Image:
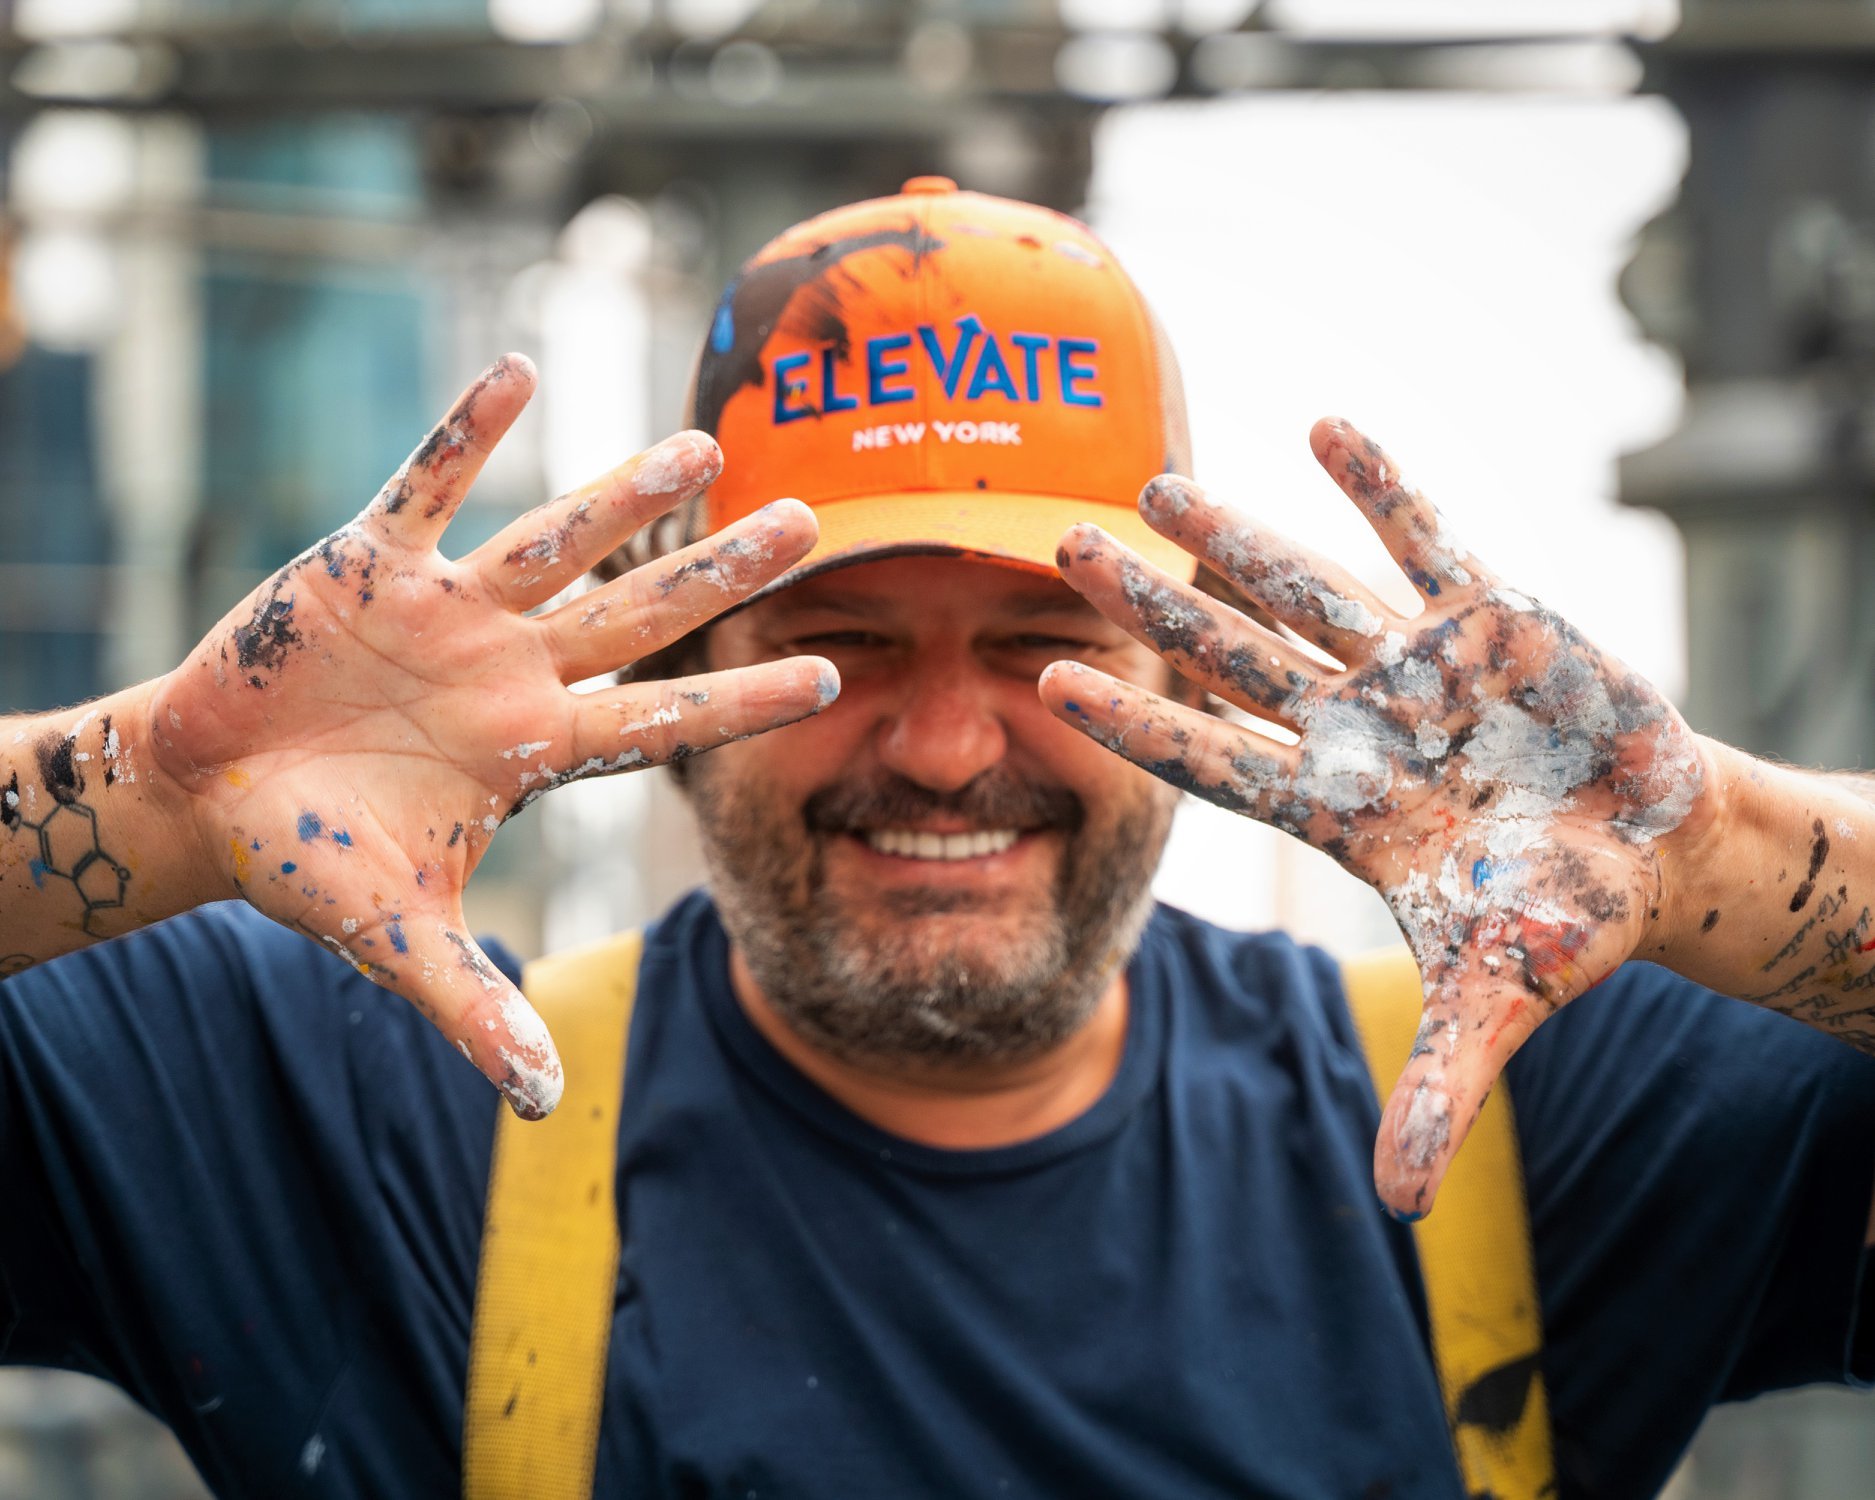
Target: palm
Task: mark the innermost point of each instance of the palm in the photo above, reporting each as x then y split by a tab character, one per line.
1498	779
352	734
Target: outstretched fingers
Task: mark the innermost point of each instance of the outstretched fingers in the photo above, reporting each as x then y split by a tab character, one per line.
1319	600
662	601
1404	519
1203	639
429	958
538	554
417	502
1193	751
652	723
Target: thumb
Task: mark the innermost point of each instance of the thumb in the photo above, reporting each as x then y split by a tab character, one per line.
1458	1055
431	961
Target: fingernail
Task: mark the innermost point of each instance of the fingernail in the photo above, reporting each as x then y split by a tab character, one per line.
773	510
827	685
1167	495
1404	1215
683	460
512	364
525	1103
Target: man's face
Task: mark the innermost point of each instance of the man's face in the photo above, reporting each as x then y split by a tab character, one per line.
935	868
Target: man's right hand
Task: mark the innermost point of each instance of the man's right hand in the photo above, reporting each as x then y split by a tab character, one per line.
341	747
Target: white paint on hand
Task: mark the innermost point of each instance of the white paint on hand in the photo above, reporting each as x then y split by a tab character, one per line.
1426	1128
1348	756
667	715
671	463
1347	614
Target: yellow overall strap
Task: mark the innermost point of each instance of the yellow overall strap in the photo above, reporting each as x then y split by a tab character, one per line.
550	1247
1475	1260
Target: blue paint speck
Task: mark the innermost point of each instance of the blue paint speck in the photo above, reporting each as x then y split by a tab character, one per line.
396	935
342	838
309	827
255	846
1405	1216
1480	872
288	867
40	869
1071	706
723	326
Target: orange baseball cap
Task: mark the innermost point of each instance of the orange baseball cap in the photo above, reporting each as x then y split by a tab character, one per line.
940	372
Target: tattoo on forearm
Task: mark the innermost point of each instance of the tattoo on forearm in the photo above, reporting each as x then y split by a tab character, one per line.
51	824
1832	903
1835	989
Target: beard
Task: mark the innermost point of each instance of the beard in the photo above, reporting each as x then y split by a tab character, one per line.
937	974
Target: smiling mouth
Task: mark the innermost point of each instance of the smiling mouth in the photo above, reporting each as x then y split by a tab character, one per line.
913	843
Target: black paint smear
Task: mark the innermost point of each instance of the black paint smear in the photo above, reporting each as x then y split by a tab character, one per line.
266	638
757	300
1712	920
695	568
1242	667
456	429
548	546
10	803
58	770
1495	1401
110	771
1819	851
1604	905
455	836
440	437
400	497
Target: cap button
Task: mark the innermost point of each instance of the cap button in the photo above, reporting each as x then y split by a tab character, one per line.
929	185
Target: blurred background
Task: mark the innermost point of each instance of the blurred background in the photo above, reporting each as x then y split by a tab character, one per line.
1600	272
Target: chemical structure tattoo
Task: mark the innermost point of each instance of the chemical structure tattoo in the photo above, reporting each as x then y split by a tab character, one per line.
69	850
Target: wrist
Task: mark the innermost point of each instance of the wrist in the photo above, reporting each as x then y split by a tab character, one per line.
1698	857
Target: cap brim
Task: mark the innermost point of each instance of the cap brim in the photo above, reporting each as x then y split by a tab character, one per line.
1020	530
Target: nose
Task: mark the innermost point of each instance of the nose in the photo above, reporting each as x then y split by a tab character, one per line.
945	729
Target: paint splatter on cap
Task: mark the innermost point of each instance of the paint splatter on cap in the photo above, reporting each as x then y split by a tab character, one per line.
940	372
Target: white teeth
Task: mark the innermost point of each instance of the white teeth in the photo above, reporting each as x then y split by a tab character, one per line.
909	843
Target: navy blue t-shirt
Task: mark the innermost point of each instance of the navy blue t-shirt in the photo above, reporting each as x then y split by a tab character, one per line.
247	1186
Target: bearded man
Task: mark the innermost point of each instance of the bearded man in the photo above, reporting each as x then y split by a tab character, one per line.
947	1164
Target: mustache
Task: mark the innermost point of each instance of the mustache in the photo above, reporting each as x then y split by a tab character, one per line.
996	799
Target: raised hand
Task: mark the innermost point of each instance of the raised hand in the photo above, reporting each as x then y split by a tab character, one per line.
351	735
1499	780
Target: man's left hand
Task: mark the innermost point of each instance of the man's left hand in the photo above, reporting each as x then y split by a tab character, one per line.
1504	784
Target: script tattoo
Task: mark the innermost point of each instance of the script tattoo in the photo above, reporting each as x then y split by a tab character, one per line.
1835	989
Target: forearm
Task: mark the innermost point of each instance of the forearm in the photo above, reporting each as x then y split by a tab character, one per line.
94	838
1774	902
